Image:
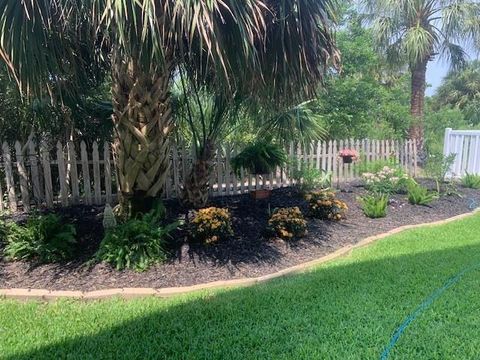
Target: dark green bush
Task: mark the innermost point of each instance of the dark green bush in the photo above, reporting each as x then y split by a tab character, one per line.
44	238
136	244
374	206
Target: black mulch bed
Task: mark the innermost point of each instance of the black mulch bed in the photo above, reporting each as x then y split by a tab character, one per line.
248	254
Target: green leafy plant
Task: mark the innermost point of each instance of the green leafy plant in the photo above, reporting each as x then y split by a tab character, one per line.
211	225
437	167
308	178
287	223
44	238
364	166
471	181
419	195
137	243
260	158
324	205
374	206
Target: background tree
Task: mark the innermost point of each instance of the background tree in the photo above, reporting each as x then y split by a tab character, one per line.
461	90
268	48
417	31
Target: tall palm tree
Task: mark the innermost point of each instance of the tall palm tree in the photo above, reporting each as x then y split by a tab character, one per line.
271	49
417	31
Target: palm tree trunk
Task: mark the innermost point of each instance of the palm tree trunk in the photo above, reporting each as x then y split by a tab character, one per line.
143	122
419	72
195	187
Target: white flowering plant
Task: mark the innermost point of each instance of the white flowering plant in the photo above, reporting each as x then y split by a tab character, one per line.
388	180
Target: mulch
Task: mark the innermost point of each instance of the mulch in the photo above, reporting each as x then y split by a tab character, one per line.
247	254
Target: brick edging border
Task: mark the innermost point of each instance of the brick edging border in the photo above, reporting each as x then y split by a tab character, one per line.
129	293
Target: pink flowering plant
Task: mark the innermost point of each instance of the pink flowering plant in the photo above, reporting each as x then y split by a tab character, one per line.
388	180
349	153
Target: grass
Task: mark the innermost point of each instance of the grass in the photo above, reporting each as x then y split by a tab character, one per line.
346	309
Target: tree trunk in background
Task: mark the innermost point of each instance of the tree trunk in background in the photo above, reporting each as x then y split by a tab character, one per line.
419	72
143	122
195	187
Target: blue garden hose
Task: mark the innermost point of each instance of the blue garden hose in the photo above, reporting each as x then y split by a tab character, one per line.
425	304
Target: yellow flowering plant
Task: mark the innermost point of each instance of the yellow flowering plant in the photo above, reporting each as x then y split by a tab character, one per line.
287	223
324	205
211	225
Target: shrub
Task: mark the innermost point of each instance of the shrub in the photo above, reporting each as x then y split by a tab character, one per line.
419	195
471	181
324	205
137	243
3	232
44	238
374	206
211	225
287	223
308	178
388	180
374	166
437	167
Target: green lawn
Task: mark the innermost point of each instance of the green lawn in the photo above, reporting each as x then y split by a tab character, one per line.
346	309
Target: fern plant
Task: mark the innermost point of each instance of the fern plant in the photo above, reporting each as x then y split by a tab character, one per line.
471	181
419	195
138	243
374	206
260	158
44	238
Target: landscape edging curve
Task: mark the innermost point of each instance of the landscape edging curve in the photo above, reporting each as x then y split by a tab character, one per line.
129	293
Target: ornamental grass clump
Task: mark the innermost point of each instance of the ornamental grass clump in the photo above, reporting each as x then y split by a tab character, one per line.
471	181
388	180
287	223
374	206
211	225
324	205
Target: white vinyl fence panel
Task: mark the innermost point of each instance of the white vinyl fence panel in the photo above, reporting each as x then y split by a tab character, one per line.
35	175
465	144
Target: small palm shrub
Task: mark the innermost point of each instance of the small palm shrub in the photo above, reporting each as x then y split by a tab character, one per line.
137	243
471	181
374	206
308	178
388	180
324	205
419	195
211	225
44	238
260	158
287	223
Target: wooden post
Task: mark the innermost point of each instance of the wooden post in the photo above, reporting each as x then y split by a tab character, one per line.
22	173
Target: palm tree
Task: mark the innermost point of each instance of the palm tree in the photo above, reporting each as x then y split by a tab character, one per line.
416	31
271	49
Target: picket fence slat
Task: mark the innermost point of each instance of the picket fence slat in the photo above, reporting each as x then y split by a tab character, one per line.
108	173
9	179
465	145
23	176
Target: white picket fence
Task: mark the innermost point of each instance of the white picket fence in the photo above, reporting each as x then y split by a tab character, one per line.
34	176
465	144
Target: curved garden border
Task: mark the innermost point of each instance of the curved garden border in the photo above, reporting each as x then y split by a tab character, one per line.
129	293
